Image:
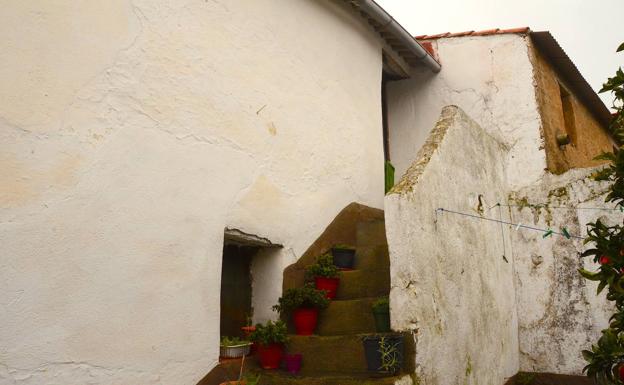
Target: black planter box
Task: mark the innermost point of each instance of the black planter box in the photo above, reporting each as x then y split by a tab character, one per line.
384	353
343	258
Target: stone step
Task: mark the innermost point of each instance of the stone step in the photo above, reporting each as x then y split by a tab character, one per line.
371	233
357	284
284	378
372	258
338	354
347	317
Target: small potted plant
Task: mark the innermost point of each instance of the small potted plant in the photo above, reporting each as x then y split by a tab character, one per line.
293	362
384	353
270	339
344	256
381	313
304	303
234	347
325	275
247	330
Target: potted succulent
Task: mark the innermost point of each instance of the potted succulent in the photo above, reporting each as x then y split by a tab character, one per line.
381	313
270	339
304	303
325	275
344	256
234	347
384	353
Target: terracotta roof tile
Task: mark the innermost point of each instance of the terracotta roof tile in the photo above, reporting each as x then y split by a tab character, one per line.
487	32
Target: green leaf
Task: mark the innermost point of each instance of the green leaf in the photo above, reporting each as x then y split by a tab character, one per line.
589	275
601	287
620	48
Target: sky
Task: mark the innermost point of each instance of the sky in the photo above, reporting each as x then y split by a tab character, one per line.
588	30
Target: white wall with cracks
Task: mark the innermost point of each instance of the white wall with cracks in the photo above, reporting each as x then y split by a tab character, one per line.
489	77
132	133
558	314
450	285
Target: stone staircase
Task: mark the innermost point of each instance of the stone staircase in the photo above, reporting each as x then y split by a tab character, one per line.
335	354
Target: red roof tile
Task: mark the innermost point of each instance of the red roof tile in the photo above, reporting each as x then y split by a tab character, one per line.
495	31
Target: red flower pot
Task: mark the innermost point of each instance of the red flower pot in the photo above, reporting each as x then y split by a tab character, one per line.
270	355
247	330
305	321
329	285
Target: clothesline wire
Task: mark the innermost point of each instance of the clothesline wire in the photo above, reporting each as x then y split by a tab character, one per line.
517	225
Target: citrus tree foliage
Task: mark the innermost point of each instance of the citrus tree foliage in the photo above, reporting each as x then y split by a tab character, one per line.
605	360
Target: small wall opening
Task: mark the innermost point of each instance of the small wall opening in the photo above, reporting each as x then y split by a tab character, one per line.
239	250
236	288
568	114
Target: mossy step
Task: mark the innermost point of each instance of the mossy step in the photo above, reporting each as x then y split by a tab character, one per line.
371	258
347	317
371	233
339	354
284	378
357	284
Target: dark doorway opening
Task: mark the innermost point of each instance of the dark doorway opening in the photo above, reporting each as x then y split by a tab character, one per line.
236	288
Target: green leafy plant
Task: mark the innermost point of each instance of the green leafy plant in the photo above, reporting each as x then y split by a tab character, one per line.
251	380
343	246
232	341
302	297
381	305
605	359
270	333
323	267
390	356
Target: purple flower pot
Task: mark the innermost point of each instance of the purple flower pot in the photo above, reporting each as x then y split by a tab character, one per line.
293	362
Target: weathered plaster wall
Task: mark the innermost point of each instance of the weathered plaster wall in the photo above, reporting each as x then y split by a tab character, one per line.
589	139
132	133
489	77
559	312
450	283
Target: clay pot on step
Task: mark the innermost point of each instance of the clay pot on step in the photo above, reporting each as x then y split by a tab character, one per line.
305	320
270	356
329	285
247	330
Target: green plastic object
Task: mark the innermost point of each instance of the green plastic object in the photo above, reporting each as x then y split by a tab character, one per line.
389	175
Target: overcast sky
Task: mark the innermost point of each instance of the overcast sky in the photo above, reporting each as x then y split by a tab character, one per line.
588	30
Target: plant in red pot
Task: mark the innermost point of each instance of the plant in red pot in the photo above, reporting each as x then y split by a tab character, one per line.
304	303
325	275
270	339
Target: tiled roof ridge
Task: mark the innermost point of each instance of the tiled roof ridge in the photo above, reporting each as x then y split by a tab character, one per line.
486	32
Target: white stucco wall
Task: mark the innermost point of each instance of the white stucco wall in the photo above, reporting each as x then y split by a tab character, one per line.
450	283
489	77
560	313
132	133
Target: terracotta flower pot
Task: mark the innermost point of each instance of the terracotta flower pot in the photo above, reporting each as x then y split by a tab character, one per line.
247	330
305	321
270	356
329	285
